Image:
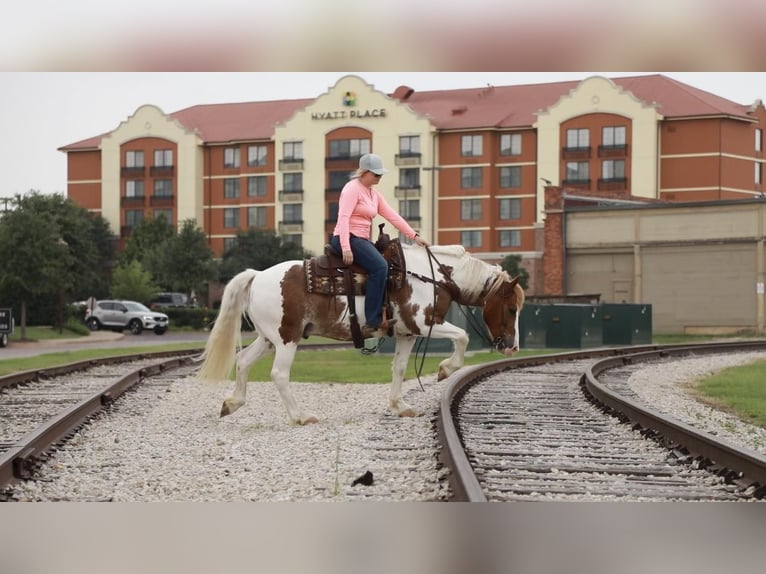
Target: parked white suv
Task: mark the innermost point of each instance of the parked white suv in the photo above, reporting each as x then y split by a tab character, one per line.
120	315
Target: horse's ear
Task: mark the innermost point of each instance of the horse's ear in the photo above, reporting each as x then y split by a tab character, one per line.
515	281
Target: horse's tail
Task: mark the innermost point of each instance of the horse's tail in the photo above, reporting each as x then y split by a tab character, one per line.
226	336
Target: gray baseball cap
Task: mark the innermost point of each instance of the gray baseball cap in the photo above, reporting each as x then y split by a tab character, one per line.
373	163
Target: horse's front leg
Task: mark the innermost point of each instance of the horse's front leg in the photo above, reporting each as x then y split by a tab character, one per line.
245	359
460	343
402	354
280	374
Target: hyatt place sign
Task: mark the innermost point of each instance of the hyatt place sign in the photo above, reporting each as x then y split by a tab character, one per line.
349	114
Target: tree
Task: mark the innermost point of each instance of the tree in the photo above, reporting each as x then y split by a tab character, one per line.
131	281
51	249
34	257
258	249
147	243
186	260
511	265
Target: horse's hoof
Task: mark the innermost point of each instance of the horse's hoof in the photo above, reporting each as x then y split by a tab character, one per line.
308	420
225	410
409	412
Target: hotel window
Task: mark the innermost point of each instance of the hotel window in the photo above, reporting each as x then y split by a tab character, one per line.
231	157
256	217
509	208
758	139
292	182
470	238
231	217
613	169
293	213
229	243
163	158
133	217
340	149
577	171
337	179
578	138
758	171
510	144
470	209
409	178
509	238
409	208
292	151
167	214
231	187
409	145
613	136
134	188
256	186
470	177
332	211
163	188
134	159
257	155
510	176
293	238
470	146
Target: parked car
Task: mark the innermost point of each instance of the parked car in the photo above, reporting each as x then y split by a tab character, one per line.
120	315
162	300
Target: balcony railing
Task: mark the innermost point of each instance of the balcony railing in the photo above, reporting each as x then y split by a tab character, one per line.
613	183
135	200
613	150
575	153
291	226
336	159
133	172
407	159
162	171
576	182
291	164
290	195
160	200
407	192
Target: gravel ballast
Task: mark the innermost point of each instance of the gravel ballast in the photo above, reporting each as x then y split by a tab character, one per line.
168	443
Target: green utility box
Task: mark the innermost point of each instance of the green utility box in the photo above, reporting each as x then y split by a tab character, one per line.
472	324
573	326
627	324
532	326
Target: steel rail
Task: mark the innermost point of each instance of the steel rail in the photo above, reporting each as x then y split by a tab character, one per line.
463	482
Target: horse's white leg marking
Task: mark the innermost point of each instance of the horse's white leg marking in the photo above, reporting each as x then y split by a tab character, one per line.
402	354
245	359
280	374
457	358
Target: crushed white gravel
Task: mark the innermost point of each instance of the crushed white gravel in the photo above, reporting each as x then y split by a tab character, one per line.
167	443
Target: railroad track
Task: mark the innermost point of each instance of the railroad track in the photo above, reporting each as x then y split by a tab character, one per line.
567	427
41	408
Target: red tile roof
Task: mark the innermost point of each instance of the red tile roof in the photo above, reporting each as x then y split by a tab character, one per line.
486	107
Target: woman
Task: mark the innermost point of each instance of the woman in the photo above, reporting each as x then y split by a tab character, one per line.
358	205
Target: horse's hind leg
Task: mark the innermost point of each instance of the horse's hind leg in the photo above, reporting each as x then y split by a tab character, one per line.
245	359
402	354
280	374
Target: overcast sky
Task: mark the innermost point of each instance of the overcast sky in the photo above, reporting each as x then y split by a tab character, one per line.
40	112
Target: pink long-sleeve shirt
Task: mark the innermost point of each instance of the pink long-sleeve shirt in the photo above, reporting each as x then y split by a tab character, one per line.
357	207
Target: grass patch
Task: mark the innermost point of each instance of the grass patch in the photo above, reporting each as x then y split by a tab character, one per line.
740	390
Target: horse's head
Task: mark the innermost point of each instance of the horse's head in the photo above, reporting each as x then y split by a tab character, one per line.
501	314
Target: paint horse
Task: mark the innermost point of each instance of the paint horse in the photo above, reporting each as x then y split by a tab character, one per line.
283	311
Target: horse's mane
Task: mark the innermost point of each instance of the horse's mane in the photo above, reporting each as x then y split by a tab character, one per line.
469	272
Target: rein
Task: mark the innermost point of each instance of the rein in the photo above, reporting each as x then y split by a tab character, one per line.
454	290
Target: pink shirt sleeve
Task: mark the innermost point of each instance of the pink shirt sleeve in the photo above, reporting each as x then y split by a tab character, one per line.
357	207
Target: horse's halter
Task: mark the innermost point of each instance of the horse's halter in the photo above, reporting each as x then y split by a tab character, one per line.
453	289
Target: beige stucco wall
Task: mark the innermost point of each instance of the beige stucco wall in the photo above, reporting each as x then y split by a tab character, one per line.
701	267
307	127
150	121
598	94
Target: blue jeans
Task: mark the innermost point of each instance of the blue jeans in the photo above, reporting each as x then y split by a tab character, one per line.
367	255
